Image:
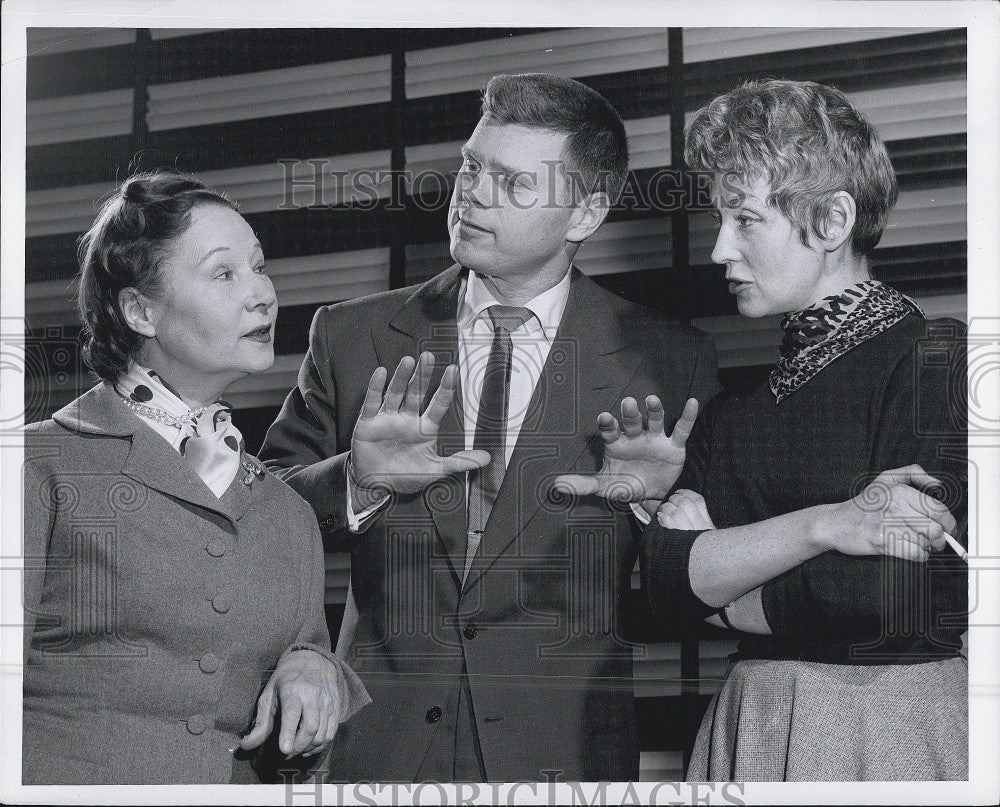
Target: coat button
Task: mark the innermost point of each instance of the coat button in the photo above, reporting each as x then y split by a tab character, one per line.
470	631
433	714
209	663
221	603
216	549
196	724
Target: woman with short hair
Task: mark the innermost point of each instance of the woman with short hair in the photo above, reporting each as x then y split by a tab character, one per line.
803	516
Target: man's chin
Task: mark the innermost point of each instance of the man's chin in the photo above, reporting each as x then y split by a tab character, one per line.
470	258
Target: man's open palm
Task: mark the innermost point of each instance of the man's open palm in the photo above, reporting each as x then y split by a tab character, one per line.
394	446
639	463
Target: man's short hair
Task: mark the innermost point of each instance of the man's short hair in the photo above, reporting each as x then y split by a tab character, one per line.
596	145
809	142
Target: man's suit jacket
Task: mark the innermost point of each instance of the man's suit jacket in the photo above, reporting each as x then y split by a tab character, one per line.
537	625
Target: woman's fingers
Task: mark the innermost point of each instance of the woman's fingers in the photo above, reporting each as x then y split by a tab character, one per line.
318	739
923	512
672	515
899	546
291	712
310	722
913	475
694	505
266	706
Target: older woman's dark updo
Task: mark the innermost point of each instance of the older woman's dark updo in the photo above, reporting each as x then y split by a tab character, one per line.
123	249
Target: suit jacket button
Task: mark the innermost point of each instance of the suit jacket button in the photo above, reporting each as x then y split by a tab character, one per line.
197	724
470	631
216	549
433	714
221	603
209	663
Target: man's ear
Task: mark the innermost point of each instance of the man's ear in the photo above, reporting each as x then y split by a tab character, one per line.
839	224
137	311
588	215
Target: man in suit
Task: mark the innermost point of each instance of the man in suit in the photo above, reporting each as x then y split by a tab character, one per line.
485	609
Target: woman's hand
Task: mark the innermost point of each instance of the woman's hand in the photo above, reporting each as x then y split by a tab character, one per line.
891	516
639	463
305	684
684	510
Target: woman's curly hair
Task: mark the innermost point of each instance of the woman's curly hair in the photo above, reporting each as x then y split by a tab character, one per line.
808	142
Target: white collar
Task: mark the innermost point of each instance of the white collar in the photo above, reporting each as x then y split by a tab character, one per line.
548	307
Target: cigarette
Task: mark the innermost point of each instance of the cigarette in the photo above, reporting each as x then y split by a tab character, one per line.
957	547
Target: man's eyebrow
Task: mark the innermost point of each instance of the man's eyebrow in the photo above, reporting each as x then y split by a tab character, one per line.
492	165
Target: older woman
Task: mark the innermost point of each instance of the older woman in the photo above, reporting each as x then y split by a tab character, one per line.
173	587
802	517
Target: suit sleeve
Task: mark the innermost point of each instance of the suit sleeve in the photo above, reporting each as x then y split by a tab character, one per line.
301	446
919	419
705	378
314	634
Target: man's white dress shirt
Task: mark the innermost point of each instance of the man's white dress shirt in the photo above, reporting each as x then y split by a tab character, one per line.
530	344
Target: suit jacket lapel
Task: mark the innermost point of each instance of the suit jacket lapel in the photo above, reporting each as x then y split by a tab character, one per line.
427	322
588	370
151	461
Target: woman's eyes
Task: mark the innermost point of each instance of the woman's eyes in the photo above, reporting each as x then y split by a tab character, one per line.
227	273
743	221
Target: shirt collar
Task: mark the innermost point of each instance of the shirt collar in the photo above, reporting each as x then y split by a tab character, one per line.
548	307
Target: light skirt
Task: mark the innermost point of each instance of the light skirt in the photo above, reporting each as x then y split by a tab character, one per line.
800	721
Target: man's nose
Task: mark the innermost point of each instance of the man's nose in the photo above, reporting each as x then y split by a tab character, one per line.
473	188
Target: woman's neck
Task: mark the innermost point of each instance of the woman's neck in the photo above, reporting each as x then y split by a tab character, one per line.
848	271
195	393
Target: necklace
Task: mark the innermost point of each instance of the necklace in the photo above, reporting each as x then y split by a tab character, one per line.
160	416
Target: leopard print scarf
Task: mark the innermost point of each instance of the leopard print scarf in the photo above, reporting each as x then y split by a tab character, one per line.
817	335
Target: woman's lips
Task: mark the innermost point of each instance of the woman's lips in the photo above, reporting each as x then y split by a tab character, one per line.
261	334
736	286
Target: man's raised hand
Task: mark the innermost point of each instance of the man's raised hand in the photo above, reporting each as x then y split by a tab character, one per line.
394	446
639	463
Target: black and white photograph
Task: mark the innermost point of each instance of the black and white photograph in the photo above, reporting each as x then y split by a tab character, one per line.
559	403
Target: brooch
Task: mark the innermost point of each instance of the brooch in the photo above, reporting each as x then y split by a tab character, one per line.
253	469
